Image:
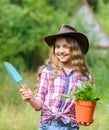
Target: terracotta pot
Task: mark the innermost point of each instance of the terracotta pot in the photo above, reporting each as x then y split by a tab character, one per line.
84	110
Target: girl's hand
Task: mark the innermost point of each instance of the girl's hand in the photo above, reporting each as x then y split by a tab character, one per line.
85	124
26	93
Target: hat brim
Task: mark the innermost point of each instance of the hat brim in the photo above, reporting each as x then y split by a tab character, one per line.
81	38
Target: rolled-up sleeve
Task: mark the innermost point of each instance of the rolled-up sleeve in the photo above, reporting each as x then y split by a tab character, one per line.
43	85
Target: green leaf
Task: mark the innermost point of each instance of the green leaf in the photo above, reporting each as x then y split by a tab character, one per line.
84	92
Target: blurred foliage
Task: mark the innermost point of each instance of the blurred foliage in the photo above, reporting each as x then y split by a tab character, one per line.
24	23
21	31
102	15
99	64
94	4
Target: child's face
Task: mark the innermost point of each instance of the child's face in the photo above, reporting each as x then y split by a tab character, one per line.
63	50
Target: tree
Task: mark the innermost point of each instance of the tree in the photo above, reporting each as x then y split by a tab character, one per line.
23	27
22	30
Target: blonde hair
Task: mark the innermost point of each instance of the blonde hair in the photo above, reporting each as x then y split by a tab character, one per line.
78	60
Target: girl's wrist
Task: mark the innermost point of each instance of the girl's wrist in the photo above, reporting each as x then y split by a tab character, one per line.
32	99
35	103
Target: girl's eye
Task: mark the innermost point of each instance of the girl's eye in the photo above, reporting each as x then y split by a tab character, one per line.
66	46
56	46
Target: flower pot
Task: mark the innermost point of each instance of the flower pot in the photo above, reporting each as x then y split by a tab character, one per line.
84	110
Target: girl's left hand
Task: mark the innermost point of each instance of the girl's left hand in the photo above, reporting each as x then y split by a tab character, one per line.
85	124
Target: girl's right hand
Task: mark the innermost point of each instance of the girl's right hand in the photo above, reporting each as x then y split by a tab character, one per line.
26	93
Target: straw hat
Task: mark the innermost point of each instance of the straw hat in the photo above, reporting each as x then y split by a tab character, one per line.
69	31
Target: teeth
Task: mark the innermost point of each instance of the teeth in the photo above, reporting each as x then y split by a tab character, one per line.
62	55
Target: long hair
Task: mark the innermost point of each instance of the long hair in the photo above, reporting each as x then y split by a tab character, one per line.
78	60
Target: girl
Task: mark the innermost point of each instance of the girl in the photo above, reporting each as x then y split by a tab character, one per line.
63	70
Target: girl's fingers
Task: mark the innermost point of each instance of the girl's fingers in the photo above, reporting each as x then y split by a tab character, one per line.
24	88
26	93
84	123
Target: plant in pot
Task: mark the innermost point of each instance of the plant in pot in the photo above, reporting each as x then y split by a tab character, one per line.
85	99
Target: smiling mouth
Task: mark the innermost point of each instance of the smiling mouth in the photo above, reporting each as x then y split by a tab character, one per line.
62	56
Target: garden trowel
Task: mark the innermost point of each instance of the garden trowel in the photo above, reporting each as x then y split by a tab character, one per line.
14	74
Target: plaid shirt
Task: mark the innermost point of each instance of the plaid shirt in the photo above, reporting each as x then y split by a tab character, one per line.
53	105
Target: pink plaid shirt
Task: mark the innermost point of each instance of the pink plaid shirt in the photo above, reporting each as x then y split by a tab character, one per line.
53	105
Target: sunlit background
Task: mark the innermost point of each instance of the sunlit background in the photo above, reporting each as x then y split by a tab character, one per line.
23	24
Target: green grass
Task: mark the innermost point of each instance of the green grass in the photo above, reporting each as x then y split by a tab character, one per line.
16	114
23	117
18	118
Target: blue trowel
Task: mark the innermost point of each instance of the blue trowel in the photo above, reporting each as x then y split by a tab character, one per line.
14	74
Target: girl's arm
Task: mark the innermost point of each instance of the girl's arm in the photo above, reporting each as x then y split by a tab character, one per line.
37	100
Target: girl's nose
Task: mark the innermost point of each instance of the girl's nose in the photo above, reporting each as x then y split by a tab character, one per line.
61	50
